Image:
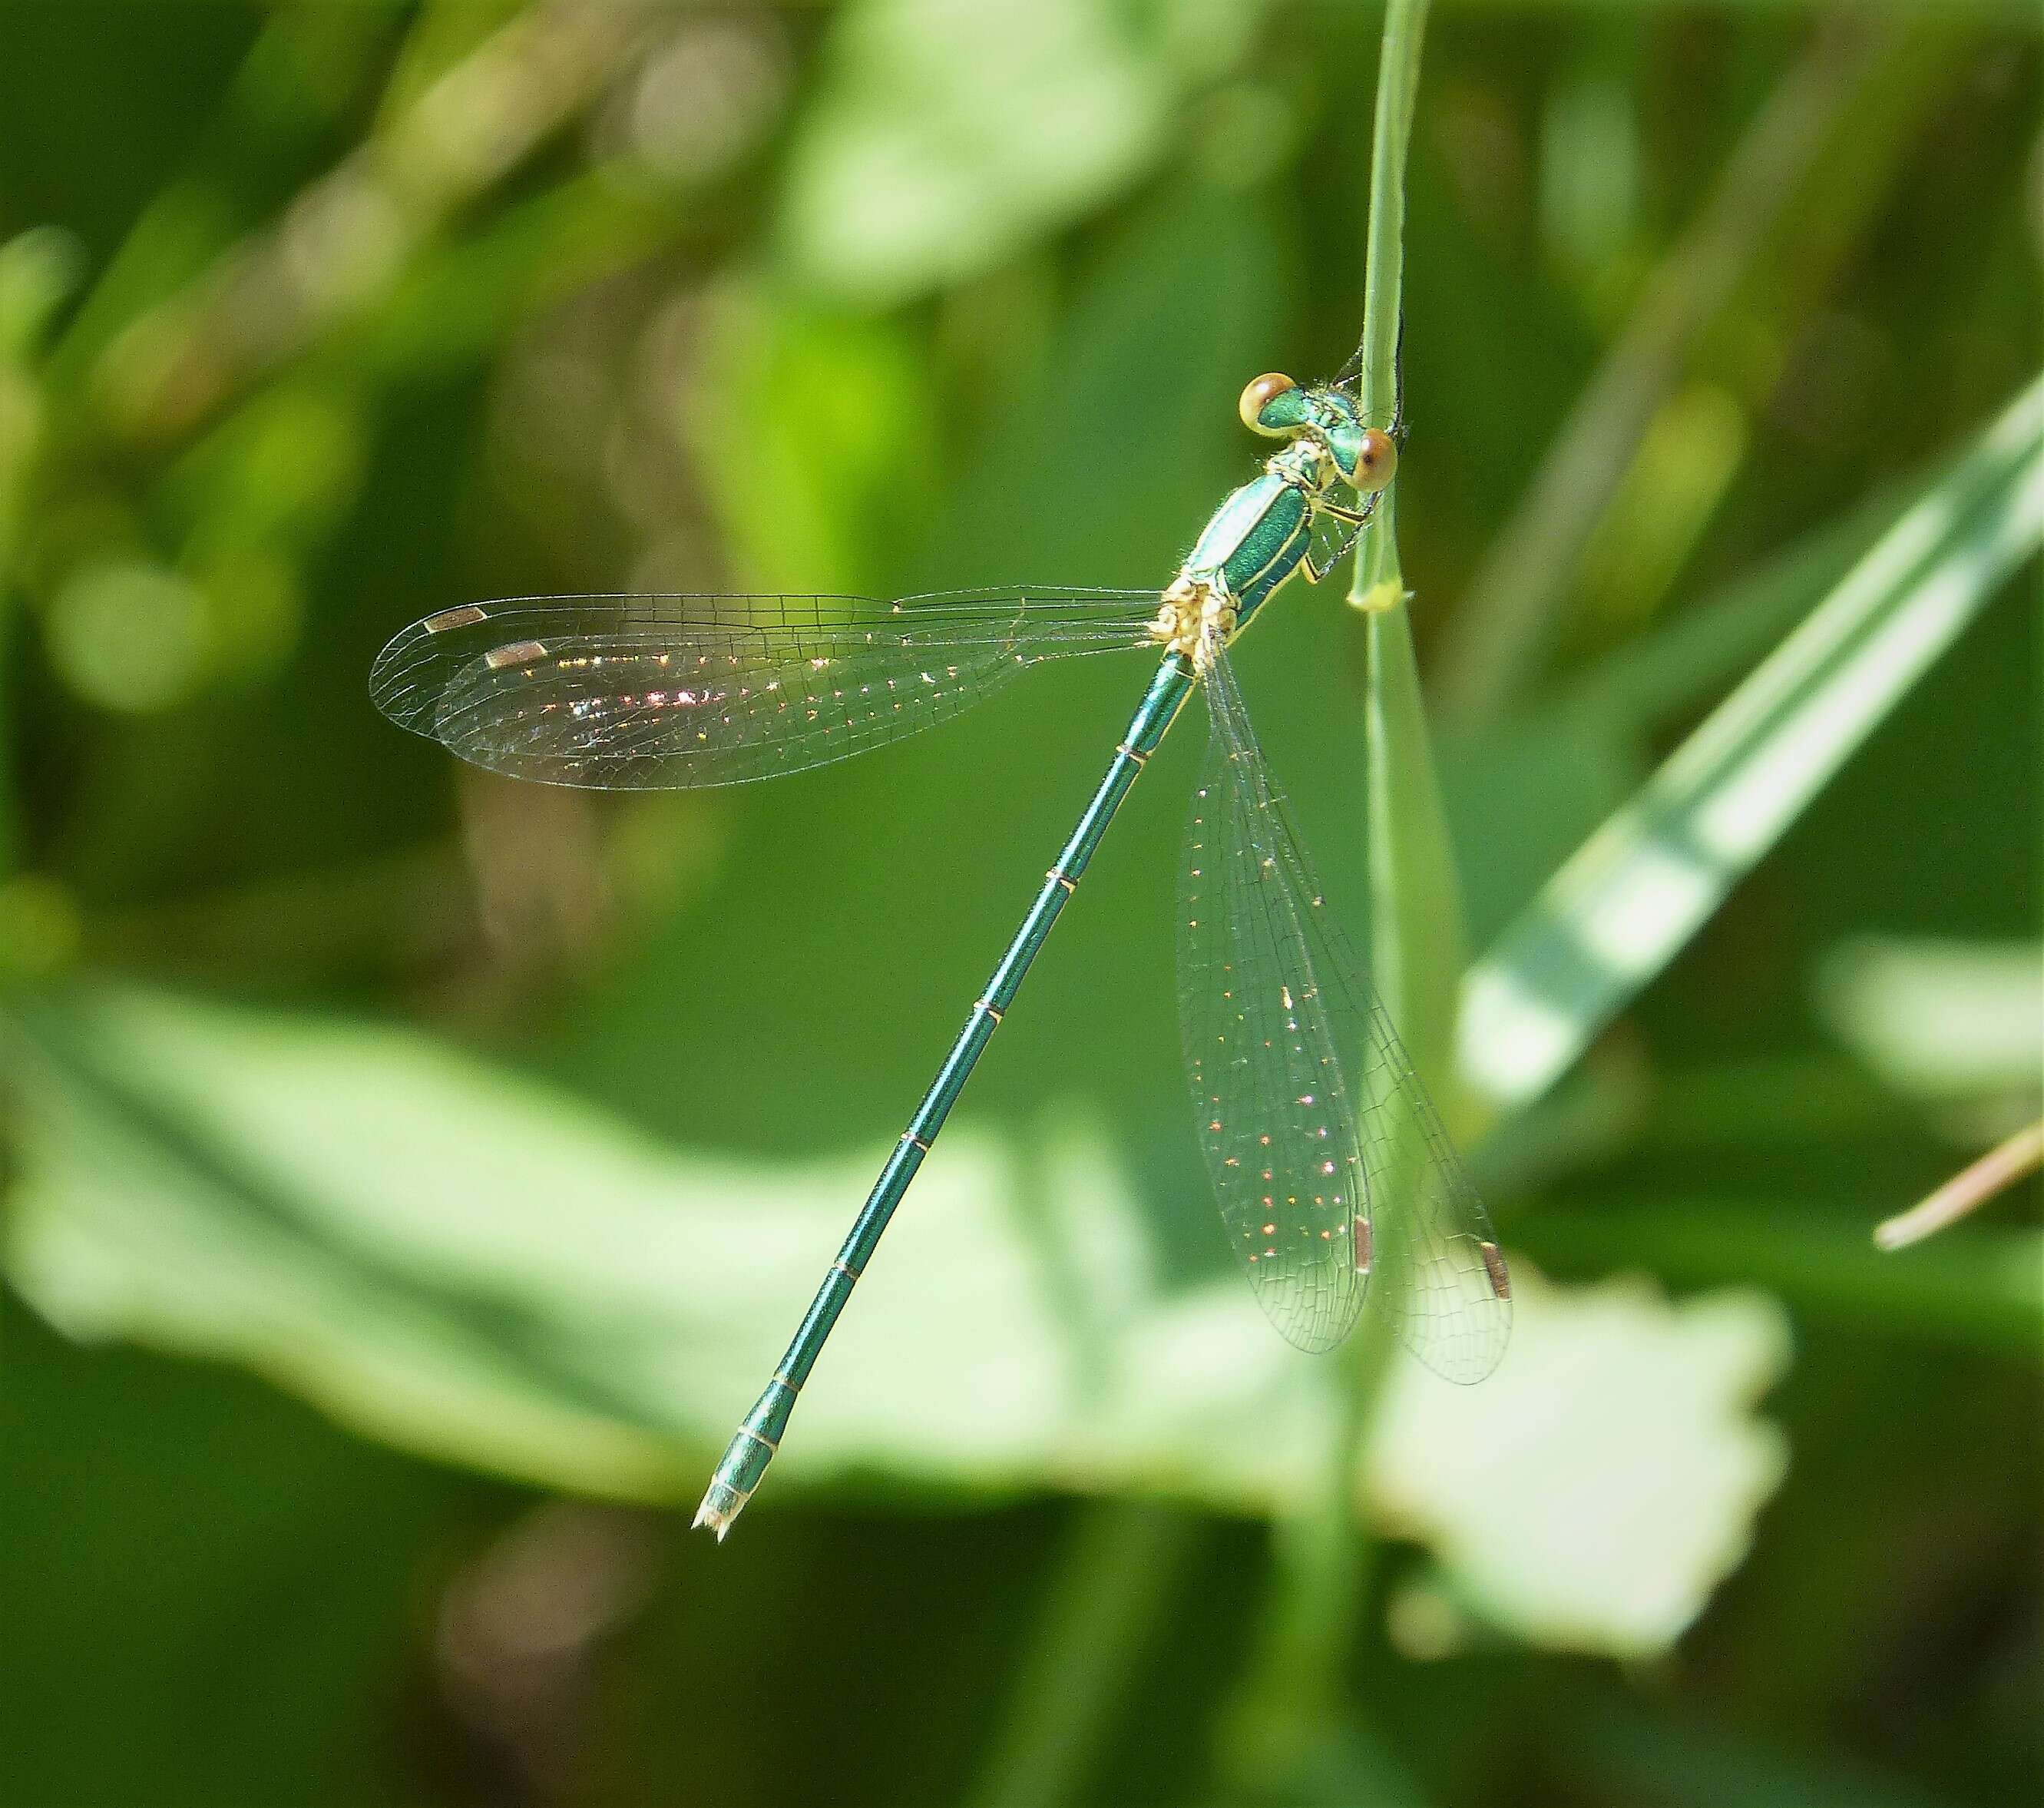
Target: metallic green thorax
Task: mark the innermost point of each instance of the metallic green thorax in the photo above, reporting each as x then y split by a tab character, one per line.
1255	541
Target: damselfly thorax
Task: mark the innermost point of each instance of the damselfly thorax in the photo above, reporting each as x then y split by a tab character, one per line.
1263	532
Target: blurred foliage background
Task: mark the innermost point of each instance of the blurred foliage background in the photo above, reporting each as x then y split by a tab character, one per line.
409	1176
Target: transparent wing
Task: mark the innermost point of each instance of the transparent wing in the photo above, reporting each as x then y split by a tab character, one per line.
1327	1157
638	692
1275	1117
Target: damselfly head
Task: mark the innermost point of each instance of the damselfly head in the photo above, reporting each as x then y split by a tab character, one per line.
1328	418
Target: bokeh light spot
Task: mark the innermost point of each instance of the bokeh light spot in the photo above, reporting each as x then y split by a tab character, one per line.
128	636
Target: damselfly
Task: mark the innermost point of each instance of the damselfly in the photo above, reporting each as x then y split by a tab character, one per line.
1326	1156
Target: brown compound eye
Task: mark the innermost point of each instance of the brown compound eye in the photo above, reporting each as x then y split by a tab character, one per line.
1375	459
1258	396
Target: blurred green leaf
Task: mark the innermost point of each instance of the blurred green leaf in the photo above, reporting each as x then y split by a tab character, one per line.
1620	1520
1941	1020
949	133
296	81
516	1283
836	460
38	270
128	636
346	239
1614	916
1103	1605
1525	793
1679	662
456	301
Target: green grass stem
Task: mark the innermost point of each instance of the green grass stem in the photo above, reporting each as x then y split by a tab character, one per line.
1293	1723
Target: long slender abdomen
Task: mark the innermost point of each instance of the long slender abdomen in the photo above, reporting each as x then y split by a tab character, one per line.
758	1435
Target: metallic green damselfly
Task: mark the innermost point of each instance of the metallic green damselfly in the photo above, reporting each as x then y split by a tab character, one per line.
1327	1160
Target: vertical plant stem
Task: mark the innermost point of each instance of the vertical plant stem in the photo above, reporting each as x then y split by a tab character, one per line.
1294	1722
1104	1600
1417	952
1384	273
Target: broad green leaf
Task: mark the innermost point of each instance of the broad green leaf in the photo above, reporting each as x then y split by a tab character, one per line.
1620	1518
1617	913
478	1269
949	133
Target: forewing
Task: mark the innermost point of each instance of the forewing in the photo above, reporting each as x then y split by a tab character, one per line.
1277	1008
639	692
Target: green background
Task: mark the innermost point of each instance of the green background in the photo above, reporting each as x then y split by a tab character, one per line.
410	1175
